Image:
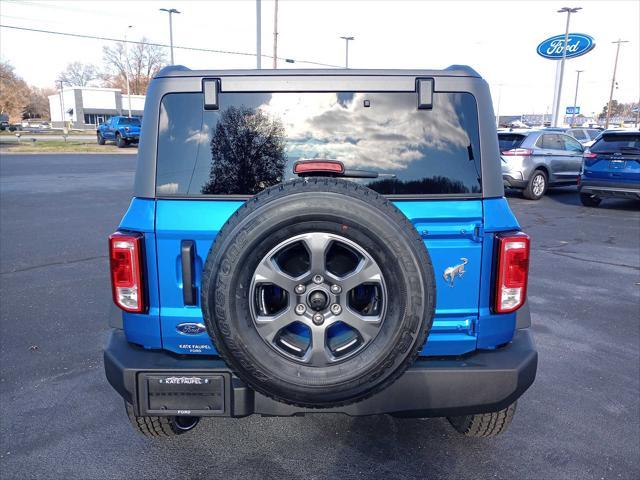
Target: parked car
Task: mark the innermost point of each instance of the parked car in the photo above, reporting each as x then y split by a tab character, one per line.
123	130
295	237
535	160
585	136
611	168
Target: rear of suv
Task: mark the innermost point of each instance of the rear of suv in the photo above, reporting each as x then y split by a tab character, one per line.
306	241
611	168
533	161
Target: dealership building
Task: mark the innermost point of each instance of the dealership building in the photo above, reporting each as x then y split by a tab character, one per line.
86	107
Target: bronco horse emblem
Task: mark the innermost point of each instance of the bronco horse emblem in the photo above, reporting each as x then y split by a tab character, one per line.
450	273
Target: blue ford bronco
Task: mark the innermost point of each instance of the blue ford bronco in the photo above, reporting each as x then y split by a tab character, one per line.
319	241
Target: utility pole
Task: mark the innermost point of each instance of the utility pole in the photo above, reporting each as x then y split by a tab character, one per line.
346	39
170	11
575	98
64	126
275	36
258	35
556	104
613	81
498	106
128	69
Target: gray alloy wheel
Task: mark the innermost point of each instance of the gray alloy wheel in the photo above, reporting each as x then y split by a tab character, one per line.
319	299
537	186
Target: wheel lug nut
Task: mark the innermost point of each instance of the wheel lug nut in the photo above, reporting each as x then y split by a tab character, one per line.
300	289
336	309
318	279
336	289
300	309
318	319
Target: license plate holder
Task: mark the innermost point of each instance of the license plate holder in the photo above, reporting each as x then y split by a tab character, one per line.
617	164
191	394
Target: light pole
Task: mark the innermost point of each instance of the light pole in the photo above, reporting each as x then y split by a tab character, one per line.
170	11
498	106
613	81
128	67
556	104
346	39
575	98
275	36
258	34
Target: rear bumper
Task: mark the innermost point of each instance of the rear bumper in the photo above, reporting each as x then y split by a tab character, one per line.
481	382
610	189
512	181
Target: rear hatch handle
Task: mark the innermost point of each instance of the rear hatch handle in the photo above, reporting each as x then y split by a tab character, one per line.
187	255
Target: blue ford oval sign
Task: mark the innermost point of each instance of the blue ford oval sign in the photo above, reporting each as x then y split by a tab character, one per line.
191	328
578	44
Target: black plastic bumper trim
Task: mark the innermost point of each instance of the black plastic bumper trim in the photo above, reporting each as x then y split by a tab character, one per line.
484	381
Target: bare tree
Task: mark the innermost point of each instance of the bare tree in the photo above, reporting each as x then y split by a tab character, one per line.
14	93
38	104
143	62
79	74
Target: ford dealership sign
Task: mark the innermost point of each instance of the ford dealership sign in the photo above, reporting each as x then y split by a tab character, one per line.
578	44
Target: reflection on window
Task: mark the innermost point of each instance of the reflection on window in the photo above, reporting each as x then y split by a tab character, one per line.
254	139
247	152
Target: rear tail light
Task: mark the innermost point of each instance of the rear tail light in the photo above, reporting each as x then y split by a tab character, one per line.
518	152
125	258
589	155
512	271
126	129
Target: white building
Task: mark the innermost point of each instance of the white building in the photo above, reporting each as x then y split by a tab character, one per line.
86	107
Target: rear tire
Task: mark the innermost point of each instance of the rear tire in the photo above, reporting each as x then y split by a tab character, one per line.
100	139
537	186
161	427
120	142
484	424
589	200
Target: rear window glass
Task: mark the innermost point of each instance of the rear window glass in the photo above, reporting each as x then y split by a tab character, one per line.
578	134
129	121
508	141
626	143
254	139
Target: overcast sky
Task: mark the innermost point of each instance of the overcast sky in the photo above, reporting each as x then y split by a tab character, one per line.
497	38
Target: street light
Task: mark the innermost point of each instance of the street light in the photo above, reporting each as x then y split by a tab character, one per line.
575	98
128	69
170	11
613	81
556	105
346	39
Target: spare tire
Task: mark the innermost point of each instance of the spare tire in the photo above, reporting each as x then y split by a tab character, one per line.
318	292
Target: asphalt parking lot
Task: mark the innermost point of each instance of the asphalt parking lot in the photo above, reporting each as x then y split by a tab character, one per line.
60	419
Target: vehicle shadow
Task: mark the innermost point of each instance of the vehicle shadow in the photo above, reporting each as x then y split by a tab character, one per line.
570	196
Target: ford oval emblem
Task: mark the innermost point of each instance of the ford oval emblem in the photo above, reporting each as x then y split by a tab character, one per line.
578	44
191	328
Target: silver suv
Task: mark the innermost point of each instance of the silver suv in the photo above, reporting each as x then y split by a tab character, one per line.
534	160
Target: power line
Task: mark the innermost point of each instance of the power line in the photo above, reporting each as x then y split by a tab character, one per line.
195	49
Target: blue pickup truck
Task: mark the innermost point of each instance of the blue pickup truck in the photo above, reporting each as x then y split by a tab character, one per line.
122	130
304	241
